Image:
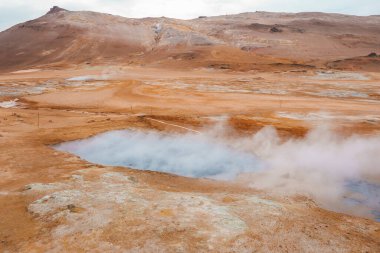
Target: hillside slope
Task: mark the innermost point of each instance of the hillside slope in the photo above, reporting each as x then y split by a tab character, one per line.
64	37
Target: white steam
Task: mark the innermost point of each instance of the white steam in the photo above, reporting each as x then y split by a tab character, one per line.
190	155
323	165
331	169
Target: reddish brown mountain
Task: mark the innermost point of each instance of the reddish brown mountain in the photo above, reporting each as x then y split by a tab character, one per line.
244	41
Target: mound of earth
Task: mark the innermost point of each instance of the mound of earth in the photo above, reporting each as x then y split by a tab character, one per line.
363	63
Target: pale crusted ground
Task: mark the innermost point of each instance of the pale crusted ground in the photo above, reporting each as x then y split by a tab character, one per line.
114	211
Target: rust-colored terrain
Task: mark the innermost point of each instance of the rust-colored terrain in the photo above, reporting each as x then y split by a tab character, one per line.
70	75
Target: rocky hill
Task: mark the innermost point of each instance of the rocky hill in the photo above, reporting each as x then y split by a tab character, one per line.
243	42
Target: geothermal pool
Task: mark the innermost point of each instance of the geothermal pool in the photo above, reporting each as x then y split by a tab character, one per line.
185	155
323	166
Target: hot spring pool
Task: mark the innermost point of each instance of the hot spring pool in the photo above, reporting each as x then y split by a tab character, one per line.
184	155
322	167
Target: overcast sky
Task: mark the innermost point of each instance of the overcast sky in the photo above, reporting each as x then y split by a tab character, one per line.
16	11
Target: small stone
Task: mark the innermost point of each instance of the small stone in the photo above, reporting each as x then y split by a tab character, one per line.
275	30
372	55
73	208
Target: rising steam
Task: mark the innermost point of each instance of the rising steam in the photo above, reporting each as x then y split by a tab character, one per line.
188	155
329	168
336	171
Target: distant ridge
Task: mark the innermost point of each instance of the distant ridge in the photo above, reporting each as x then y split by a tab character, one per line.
243	42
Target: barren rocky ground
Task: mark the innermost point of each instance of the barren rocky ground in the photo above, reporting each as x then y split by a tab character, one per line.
72	75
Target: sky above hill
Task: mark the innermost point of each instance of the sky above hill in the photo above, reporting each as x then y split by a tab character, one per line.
16	11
